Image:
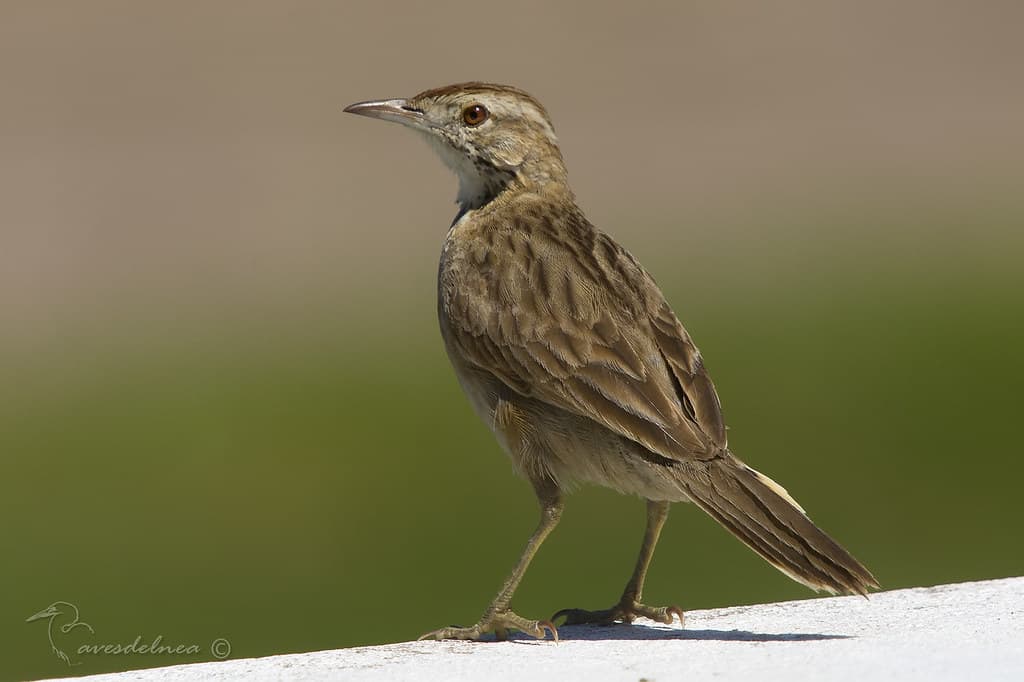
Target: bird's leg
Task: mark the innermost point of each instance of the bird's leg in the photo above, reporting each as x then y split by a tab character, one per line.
499	618
630	606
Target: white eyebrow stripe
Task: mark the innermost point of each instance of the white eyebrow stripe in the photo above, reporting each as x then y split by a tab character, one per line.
542	121
516	107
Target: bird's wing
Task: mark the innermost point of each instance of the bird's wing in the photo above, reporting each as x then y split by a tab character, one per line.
575	321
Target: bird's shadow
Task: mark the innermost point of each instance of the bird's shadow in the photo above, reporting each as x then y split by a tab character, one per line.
619	631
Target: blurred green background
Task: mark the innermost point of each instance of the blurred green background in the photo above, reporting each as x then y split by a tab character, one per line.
225	410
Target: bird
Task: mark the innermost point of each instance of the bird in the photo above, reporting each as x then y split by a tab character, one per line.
50	613
569	351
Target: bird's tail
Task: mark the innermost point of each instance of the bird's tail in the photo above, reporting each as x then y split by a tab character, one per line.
761	513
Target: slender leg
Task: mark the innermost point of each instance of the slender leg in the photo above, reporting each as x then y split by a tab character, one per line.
499	618
657	514
630	606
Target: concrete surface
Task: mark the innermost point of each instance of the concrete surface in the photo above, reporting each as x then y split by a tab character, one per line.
968	631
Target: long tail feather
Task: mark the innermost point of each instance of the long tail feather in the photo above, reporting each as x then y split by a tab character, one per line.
761	513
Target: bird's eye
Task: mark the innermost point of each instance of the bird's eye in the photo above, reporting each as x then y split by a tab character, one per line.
475	114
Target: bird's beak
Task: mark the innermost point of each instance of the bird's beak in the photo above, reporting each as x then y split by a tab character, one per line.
396	110
45	613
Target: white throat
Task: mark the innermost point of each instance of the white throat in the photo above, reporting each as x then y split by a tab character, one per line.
478	183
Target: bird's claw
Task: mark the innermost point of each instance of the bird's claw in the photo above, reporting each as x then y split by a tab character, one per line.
498	623
626	611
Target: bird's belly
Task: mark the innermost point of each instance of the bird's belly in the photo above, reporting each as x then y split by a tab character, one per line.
576	450
547	442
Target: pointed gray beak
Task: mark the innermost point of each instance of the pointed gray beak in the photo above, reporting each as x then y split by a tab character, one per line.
45	613
396	110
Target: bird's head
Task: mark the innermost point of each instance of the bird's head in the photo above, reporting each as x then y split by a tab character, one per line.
49	612
492	136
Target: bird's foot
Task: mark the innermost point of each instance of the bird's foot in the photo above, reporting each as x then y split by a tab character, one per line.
499	623
626	611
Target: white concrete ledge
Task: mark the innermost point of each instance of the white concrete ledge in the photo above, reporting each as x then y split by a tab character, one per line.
969	631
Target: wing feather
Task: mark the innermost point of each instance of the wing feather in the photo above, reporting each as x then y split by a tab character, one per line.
570	318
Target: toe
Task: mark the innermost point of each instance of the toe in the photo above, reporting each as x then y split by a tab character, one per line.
544	627
500	624
451	633
625	612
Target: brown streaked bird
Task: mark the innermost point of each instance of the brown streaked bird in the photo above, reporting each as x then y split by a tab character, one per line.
568	350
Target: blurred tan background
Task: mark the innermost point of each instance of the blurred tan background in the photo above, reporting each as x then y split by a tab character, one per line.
224	407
